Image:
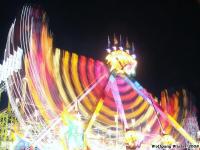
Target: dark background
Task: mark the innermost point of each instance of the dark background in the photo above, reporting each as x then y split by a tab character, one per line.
166	35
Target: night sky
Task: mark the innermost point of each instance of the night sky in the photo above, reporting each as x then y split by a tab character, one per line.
166	35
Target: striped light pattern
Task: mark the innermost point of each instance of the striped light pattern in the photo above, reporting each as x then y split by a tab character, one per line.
53	81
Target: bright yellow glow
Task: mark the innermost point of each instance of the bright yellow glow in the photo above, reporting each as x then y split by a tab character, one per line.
121	62
96	112
57	77
181	130
66	75
76	81
132	138
92	120
167	140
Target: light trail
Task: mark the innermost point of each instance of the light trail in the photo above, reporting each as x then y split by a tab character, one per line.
46	131
96	112
86	93
141	91
118	101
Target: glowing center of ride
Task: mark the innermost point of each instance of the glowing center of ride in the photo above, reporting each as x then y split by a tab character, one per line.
121	61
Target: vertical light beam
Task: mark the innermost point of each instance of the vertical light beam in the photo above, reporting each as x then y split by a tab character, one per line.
117	98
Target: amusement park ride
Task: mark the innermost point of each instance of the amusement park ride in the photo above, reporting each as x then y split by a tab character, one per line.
65	101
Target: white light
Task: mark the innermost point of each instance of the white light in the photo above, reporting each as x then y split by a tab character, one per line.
108	50
63	130
36	114
127	51
78	115
134	56
116	118
198	135
17	101
121	48
133	122
9	132
148	128
12	64
114	48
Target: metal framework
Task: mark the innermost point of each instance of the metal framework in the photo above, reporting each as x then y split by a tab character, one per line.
7	123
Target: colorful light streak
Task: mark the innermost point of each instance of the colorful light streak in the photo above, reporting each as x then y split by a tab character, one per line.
51	82
169	118
96	112
117	98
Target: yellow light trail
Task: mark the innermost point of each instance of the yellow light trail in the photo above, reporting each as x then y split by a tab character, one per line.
92	120
180	129
96	112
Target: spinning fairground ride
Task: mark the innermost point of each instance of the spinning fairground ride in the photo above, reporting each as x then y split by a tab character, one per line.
64	101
